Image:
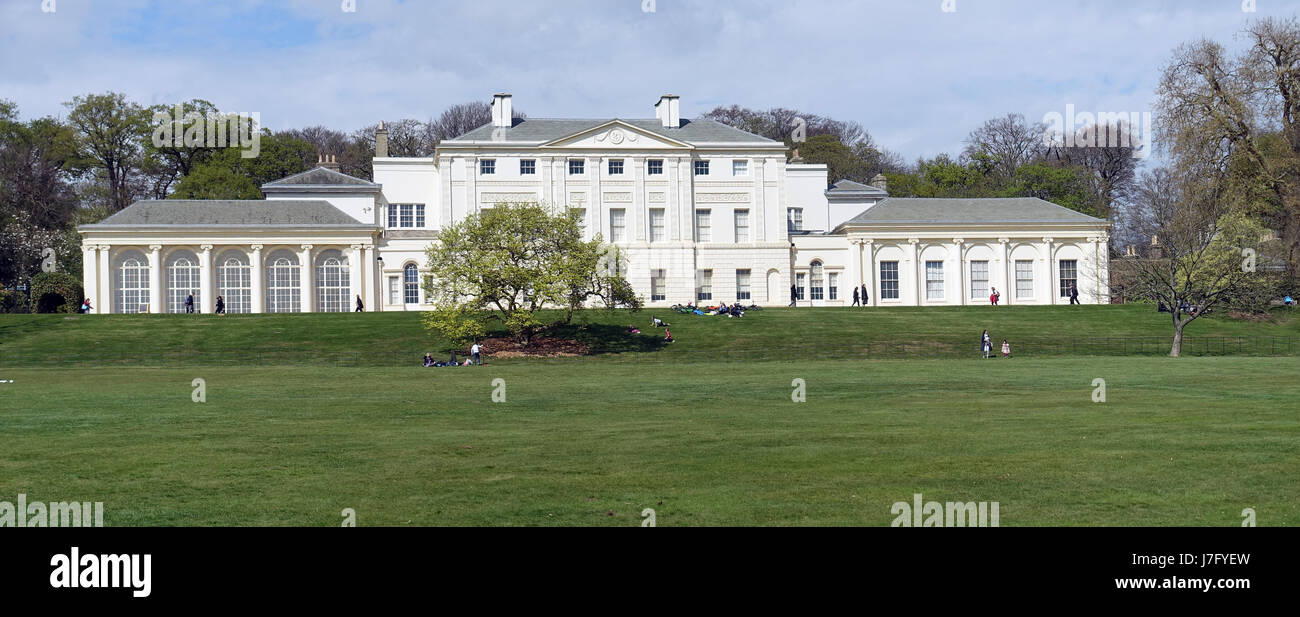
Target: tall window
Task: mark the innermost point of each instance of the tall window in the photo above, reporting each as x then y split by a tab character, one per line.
487	167
704	290
617	225
1069	275
794	219
889	280
818	280
701	168
1024	278
833	286
235	282
742	285
934	280
132	283
577	167
182	280
283	283
411	284
740	168
658	285
800	285
979	279
527	167
657	228
405	215
394	290
616	167
654	167
703	228
333	283
742	225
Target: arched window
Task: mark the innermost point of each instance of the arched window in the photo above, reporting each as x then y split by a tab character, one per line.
411	279
283	283
235	282
182	280
333	284
132	283
816	281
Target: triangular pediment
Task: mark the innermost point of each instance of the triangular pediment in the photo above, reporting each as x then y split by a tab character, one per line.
617	135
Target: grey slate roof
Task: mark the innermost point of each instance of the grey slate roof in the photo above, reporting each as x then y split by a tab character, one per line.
319	177
229	212
542	130
849	188
989	210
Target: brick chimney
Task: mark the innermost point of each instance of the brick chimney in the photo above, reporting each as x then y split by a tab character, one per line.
669	112
381	142
328	162
502	112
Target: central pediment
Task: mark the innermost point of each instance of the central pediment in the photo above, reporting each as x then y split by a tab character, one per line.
617	135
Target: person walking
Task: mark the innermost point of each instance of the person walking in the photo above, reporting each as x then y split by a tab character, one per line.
361	308
856	297
221	305
473	354
1006	349
994	297
986	344
794	296
1074	294
864	294
189	303
85	305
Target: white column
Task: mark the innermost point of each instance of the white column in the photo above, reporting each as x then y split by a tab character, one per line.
370	278
1008	282
155	279
1051	276
207	297
257	280
961	270
869	250
640	214
305	278
914	255
90	273
1102	269
356	281
104	302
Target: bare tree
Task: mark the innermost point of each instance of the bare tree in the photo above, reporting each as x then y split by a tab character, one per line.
1011	141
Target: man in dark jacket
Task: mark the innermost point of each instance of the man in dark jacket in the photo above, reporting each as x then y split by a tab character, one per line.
856	298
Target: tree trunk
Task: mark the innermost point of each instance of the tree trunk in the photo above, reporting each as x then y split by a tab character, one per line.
1178	339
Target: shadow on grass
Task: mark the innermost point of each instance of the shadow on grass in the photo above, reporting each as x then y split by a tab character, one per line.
608	338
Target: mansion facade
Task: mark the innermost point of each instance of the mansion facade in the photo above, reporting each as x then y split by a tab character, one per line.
703	213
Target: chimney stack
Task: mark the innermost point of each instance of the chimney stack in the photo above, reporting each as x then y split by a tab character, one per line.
669	112
381	142
880	182
328	162
502	113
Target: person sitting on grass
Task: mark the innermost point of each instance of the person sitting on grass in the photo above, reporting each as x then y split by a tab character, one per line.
658	323
668	335
1006	349
428	360
632	330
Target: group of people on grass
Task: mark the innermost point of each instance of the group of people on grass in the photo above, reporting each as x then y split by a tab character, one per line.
986	346
474	359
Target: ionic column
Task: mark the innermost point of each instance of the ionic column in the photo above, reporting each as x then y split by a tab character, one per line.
961	271
869	272
155	279
1008	291
257	280
104	303
206	294
356	261
90	273
1051	278
305	278
914	254
370	271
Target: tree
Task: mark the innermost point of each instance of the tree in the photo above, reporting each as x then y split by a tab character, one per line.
226	174
506	263
109	129
1202	254
1010	142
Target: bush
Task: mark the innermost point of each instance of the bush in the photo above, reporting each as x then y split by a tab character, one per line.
12	301
56	292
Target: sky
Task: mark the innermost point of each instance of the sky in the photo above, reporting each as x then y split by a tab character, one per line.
919	75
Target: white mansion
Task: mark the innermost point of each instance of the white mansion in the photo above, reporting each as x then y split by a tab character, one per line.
704	212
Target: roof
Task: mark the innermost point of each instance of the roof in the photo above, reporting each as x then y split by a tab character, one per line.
983	210
229	212
319	177
849	189
542	130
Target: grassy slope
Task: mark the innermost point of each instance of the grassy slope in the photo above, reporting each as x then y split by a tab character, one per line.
390	338
1179	442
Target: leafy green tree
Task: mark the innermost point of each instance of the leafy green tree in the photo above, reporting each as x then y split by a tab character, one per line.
506	263
226	174
1063	186
109	130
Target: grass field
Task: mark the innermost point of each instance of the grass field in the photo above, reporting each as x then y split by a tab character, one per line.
1190	441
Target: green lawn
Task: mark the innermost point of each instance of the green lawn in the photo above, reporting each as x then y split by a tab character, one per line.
1191	441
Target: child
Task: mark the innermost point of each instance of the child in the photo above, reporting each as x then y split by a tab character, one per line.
668	335
1006	349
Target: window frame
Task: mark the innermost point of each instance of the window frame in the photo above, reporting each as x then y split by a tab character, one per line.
487	167
986	289
527	167
1029	280
744	281
701	167
577	167
1062	280
704	215
654	167
890	280
610	168
736	217
935	281
740	168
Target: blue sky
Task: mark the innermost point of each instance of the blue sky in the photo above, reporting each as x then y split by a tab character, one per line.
917	77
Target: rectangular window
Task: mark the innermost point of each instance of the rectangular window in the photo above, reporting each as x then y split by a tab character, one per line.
487	167
742	225
658	285
527	167
616	167
394	290
392	215
979	280
617	225
703	227
1069	275
577	167
934	280
817	280
740	168
701	168
657	225
406	217
742	285
833	286
419	215
889	280
794	219
800	284
654	167
1024	278
704	290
